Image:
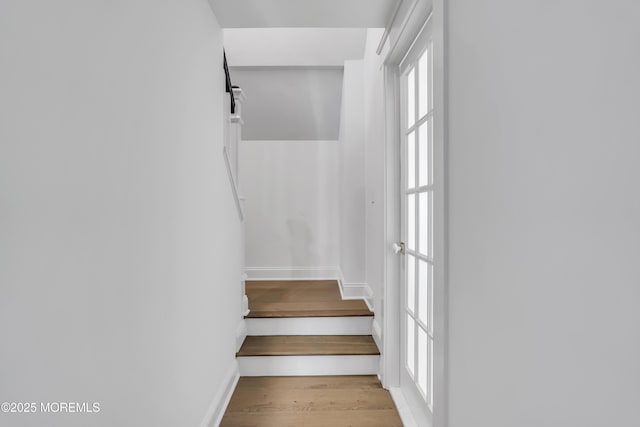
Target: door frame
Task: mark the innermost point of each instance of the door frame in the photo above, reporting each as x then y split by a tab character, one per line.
413	23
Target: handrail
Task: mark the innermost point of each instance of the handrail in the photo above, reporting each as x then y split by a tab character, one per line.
228	84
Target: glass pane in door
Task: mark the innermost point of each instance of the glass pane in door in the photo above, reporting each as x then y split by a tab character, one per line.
417	216
411	160
422	360
424	300
411	222
411	331
424	84
411	98
411	283
424	165
424	216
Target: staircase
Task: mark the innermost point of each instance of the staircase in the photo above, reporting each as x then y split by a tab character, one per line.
300	328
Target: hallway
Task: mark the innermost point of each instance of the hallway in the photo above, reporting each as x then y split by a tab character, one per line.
319	213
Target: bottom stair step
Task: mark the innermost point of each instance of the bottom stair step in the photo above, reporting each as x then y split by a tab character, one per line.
357	401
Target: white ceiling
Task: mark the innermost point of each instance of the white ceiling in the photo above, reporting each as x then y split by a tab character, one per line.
264	47
303	13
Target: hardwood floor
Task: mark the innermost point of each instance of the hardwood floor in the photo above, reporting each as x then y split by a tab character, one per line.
309	298
308	345
332	401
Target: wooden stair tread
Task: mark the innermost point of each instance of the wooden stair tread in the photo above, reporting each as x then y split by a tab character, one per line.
308	345
300	298
318	401
295	311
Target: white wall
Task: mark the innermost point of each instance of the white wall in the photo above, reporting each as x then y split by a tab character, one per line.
352	173
306	199
116	217
290	103
374	132
292	209
306	47
544	209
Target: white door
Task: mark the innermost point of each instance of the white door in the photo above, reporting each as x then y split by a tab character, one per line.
417	191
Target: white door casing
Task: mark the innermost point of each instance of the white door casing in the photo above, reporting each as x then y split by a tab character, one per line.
417	193
426	396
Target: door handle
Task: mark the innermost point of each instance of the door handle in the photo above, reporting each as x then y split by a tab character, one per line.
398	248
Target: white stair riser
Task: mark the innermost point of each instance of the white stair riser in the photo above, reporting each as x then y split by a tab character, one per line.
256	366
310	326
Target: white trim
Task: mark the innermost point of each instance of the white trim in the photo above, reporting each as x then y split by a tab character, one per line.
240	98
235	118
257	366
239	95
356	291
245	305
391	302
241	333
350	291
401	29
232	182
412	20
403	407
221	400
369	302
391	362
385	34
376	332
245	300
352	325
292	273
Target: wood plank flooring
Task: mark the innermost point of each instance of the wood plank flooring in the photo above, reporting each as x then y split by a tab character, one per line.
308	345
332	401
308	298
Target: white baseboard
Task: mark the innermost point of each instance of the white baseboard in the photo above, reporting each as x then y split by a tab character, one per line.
245	305
292	273
355	325
347	290
222	397
241	333
403	407
257	366
376	332
356	291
